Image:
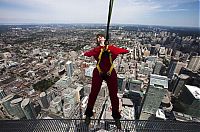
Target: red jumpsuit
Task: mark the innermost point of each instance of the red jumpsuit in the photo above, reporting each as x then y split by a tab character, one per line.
110	80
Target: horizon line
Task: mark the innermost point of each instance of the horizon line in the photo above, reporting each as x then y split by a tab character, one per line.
46	23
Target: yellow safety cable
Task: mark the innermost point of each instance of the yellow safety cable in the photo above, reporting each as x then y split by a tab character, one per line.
110	58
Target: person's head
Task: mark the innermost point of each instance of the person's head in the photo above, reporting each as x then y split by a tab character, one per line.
100	39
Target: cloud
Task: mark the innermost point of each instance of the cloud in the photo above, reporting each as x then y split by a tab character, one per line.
173	10
89	11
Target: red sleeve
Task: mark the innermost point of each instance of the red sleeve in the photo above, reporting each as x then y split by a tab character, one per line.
116	50
91	52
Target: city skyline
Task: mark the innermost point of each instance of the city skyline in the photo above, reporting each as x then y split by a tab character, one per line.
144	12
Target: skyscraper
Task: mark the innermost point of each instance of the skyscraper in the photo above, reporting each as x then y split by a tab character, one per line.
179	84
190	99
152	101
16	105
69	68
56	104
194	63
157	67
44	101
157	80
28	109
172	67
120	80
6	104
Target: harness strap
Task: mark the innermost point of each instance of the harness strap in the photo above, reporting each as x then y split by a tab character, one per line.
110	58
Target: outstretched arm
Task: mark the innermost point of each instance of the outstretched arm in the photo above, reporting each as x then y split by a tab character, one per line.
116	50
92	52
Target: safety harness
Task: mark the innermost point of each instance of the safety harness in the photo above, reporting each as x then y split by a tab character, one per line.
99	61
106	43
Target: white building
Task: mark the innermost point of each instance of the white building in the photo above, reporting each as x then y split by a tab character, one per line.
69	68
159	80
89	71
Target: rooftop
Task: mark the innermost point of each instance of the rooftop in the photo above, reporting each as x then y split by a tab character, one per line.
195	91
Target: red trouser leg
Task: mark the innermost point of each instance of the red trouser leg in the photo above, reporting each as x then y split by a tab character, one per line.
113	89
96	86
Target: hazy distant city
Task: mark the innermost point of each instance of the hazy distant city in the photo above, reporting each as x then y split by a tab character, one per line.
44	76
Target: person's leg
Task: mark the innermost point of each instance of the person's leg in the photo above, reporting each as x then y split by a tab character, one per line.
96	85
113	89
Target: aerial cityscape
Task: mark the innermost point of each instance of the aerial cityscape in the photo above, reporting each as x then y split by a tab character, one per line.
43	74
55	56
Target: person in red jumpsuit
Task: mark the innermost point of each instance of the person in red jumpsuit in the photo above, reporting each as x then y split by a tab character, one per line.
104	55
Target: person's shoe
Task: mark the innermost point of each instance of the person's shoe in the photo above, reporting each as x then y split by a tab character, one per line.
87	120
118	123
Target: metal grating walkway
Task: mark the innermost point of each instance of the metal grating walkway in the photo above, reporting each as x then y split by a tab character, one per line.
76	125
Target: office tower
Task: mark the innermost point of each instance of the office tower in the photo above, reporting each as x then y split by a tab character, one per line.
179	84
2	94
157	67
120	80
56	104
89	71
190	100
135	85
69	95
172	67
16	105
177	54
28	109
175	67
157	80
6	104
64	82
162	52
50	95
194	63
155	93
44	101
69	68
152	101
179	66
194	77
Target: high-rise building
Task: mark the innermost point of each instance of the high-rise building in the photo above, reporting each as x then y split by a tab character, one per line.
69	96
16	105
2	94
152	101
179	84
157	80
135	85
56	104
44	101
6	104
162	52
69	68
179	65
28	109
194	63
194	77
190	99
157	67
120	81
89	71
172	67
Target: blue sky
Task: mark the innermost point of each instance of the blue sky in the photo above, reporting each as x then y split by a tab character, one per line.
147	12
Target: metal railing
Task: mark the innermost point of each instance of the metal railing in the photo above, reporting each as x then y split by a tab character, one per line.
76	125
